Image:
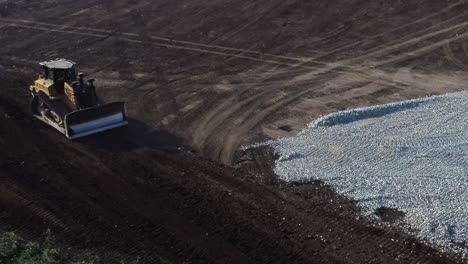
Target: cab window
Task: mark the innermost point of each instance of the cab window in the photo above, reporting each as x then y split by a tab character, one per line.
50	74
59	75
71	75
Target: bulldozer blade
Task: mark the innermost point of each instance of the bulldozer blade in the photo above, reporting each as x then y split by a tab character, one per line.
94	120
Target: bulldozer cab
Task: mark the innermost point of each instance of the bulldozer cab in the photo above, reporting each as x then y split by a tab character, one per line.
59	71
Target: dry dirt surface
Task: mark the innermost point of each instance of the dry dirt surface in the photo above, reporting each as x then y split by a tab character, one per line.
202	78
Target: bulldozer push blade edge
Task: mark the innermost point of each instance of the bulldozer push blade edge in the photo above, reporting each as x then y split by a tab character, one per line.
63	100
93	120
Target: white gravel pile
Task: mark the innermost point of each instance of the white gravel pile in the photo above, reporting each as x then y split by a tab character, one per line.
412	156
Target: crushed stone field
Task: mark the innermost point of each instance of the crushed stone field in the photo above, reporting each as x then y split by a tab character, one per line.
410	156
200	79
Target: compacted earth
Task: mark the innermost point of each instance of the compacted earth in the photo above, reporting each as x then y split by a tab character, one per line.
201	79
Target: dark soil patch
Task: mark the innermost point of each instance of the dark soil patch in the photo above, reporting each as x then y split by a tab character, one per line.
389	214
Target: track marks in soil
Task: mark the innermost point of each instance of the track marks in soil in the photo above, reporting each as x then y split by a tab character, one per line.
9	192
240	53
367	40
165	42
451	57
236	132
224	127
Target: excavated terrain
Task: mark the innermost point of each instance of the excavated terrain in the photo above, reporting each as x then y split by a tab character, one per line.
201	79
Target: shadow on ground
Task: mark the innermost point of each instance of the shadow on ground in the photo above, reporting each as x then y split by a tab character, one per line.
136	135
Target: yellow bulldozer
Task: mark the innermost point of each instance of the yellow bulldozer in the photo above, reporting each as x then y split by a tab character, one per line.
65	101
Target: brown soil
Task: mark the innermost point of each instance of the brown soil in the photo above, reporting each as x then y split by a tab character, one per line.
200	79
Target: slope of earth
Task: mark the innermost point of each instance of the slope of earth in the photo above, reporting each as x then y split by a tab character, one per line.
219	74
104	196
411	156
212	75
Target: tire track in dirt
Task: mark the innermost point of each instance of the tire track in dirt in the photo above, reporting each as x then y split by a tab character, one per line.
232	135
9	192
465	48
392	30
217	116
300	61
215	120
63	27
266	8
240	111
307	76
112	218
422	51
237	133
128	34
410	36
104	36
411	41
452	58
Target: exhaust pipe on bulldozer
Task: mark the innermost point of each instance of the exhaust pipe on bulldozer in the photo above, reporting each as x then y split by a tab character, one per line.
94	120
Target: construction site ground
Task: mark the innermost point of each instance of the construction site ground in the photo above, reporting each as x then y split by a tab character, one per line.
200	80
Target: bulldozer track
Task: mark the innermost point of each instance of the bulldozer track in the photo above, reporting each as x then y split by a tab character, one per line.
12	193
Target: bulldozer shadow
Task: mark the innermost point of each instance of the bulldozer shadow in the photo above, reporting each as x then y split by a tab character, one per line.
136	135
